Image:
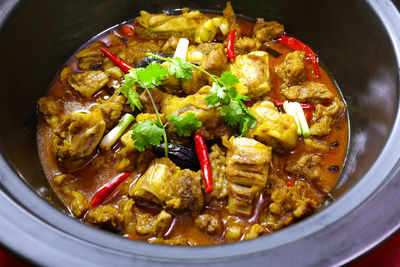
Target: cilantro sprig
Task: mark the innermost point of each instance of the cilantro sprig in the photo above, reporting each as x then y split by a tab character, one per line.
184	126
148	134
222	93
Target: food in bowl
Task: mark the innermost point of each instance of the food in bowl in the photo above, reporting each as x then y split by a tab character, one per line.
224	129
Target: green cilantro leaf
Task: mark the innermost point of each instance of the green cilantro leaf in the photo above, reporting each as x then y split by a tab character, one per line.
248	121
228	79
133	100
235	112
146	134
129	80
151	76
126	89
232	113
184	126
179	68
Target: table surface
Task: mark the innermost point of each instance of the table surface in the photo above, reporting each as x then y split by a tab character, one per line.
387	255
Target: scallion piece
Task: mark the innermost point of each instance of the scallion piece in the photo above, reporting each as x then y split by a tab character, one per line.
302	119
182	48
290	110
109	139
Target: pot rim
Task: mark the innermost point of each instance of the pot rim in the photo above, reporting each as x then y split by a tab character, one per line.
61	236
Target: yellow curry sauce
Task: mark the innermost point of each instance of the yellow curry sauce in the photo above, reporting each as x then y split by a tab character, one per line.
287	196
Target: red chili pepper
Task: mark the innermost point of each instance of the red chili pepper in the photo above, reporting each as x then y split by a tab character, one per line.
125	67
308	115
107	189
202	155
230	45
289	183
295	44
127	30
305	106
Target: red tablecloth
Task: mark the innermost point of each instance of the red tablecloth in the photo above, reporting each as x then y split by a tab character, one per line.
388	255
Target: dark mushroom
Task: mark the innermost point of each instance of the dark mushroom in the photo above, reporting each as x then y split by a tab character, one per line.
183	156
147	60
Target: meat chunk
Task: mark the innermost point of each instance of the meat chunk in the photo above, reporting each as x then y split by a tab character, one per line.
162	223
218	168
292	70
164	26
136	50
106	215
90	57
112	70
170	45
213	123
289	204
111	109
230	16
79	204
334	110
265	31
233	233
192	85
246	45
209	223
77	138
325	117
311	92
247	171
167	185
89	82
126	216
308	166
315	144
255	231
144	222
208	29
273	128
128	153
253	72
51	109
210	57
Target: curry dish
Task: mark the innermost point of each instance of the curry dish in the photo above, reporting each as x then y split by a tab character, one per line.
193	129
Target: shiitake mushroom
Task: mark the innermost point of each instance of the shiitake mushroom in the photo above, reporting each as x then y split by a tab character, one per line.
147	60
183	156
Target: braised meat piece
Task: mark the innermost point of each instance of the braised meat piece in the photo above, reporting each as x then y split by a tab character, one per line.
170	187
209	223
265	31
325	117
289	204
136	51
88	83
211	58
77	138
52	109
164	26
310	92
292	71
273	128
247	171
111	109
252	70
162	223
213	123
307	166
